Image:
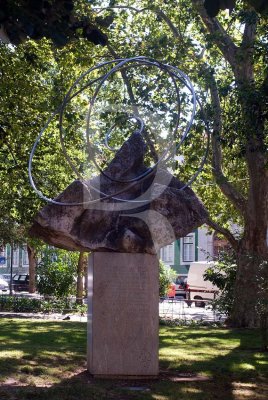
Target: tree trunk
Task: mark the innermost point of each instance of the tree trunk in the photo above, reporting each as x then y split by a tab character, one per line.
251	289
244	313
32	268
82	262
250	302
86	275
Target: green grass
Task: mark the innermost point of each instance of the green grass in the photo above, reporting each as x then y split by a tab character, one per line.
47	360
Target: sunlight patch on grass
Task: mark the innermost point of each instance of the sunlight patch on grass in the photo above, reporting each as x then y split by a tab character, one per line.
159	397
260	355
11	354
190	353
243	390
191	390
243	366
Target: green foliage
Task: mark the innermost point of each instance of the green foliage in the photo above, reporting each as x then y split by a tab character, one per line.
166	276
34	78
56	273
190	323
19	304
223	274
81	309
59	305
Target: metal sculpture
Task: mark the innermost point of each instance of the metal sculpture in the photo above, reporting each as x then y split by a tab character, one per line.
175	74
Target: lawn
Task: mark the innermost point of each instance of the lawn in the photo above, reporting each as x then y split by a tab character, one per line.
46	360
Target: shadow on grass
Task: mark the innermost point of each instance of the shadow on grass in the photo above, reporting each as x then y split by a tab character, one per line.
82	387
232	359
46	356
39	347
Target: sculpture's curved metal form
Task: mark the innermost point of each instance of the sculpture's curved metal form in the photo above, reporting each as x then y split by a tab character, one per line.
176	75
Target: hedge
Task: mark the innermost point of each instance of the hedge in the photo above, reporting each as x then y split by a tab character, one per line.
33	305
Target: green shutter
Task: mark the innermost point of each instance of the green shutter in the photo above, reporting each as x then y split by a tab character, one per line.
196	244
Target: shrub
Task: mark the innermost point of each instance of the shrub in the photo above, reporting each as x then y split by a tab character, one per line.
223	274
56	273
166	276
19	304
55	305
52	305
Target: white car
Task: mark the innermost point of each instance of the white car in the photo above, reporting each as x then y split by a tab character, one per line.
3	284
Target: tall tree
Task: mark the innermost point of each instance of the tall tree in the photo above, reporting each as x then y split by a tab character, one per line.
250	84
226	56
34	79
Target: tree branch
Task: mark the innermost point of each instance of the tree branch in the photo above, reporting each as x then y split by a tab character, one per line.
226	187
249	34
134	106
225	232
221	37
125	78
246	49
155	10
137	10
168	21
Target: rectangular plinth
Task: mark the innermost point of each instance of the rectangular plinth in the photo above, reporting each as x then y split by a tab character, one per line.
123	315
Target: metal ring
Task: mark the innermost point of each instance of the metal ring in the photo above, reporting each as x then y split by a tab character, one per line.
120	64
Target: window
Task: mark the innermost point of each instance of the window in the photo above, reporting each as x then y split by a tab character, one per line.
3	257
167	254
16	256
25	260
188	248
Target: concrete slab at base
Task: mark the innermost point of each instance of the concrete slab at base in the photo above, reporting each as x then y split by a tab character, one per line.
123	315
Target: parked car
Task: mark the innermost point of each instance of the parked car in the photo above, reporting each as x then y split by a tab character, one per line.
20	282
6	277
181	286
3	285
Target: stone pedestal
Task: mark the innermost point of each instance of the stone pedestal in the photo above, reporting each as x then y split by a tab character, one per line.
123	318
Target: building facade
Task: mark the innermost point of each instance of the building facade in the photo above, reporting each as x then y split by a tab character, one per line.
196	246
20	262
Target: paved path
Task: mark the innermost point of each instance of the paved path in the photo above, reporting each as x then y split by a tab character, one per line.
179	310
41	316
167	309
